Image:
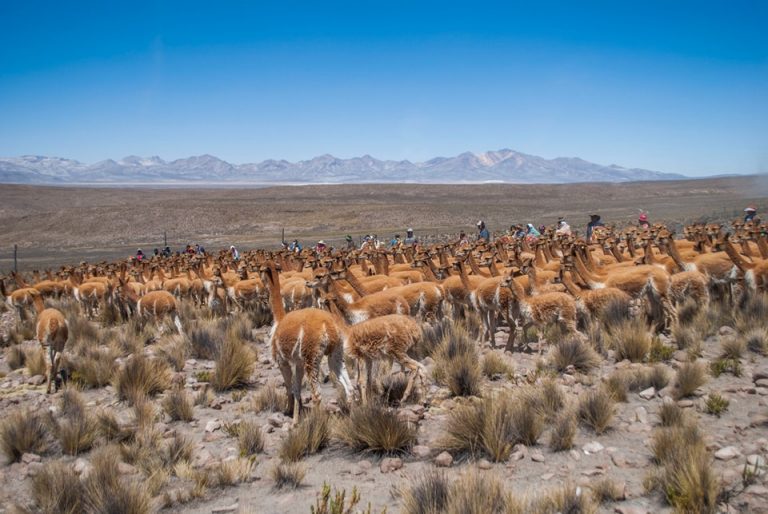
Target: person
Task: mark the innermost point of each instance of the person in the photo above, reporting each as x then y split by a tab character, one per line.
139	255
642	221
156	252
235	254
594	221
410	239
350	242
563	228
167	251
295	246
200	249
483	234
190	250
396	241
531	234
463	239
320	247
751	211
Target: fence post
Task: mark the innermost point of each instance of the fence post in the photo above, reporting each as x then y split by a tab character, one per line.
165	238
15	258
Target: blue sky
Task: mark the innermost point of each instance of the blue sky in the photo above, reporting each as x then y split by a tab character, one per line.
674	86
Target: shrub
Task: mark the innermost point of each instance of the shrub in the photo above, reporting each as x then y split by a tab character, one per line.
756	340
178	405
573	352
232	472
671	414
428	494
614	315
15	356
106	492
308	437
719	366
375	428
606	490
288	475
206	337
716	404
476	493
270	398
140	377
96	367
753	313
563	432
690	376
685	337
175	352
687	312
495	367
23	431
596	408
618	384
56	489
234	365
250	440
35	361
178	449
732	348
631	340
566	498
77	429
456	363
659	351
656	376
337	504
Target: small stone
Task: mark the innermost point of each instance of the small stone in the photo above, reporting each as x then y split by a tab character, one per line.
568	380
390	464
421	451
757	490
648	394
34	468
217	402
518	455
201	458
408	416
547	476
81	466
365	465
29	458
212	425
593	472
484	464
759	374
593	447
630	509
537	456
641	415
448	404
726	331
276	419
761	382
575	455
36	380
444	460
685	404
727	453
618	460
754	460
680	356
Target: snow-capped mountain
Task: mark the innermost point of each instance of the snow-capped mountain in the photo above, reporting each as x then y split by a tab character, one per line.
495	166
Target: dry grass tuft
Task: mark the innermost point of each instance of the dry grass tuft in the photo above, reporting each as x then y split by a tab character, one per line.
96	367
375	428
614	315
753	313
428	494
596	409
690	376
687	312
496	367
175	351
250	440
23	431
140	377
573	352
76	429
178	449
563	432
617	384
671	414
308	437
15	356
288	475
56	489
606	490
206	337
476	492
457	364
716	404
566	498
35	361
232	472
630	339
109	427
106	491
234	365
269	398
492	426
732	348
178	405
756	340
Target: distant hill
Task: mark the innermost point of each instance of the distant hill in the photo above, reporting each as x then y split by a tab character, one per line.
507	166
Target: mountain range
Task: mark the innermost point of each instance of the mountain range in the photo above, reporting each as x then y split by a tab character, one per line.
504	166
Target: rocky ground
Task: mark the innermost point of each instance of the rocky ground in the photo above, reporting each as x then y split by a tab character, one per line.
737	438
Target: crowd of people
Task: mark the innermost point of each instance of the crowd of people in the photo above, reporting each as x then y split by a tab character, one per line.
373	242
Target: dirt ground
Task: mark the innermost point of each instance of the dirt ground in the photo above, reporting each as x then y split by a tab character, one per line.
53	226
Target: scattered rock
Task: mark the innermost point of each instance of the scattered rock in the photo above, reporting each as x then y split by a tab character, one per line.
759	374
217	402
444	460
390	464
408	416
757	490
593	447
547	476
36	380
631	509
82	466
593	472
537	456
685	404
276	419
755	460
641	415
648	394
680	356
618	460
727	453
421	451
484	464
726	331
212	425
761	382
29	458
225	509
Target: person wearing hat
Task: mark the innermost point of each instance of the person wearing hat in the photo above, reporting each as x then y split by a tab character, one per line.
396	241
594	221
483	234
563	228
320	247
350	242
751	211
643	221
234	252
410	239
